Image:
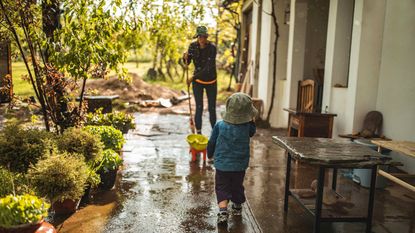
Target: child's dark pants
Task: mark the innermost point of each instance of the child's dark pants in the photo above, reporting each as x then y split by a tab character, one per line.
229	186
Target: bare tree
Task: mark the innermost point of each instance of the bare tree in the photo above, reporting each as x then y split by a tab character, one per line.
273	14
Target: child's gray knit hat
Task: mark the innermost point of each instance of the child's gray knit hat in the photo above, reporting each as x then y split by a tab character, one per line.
239	109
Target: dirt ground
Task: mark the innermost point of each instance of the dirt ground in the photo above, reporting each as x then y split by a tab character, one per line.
133	92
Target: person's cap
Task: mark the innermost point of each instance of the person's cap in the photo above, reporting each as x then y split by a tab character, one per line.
239	109
201	31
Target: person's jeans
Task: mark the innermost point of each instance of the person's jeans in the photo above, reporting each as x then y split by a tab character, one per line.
211	92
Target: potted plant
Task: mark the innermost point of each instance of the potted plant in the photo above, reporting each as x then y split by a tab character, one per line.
19	148
108	168
23	214
12	183
119	120
110	136
77	141
61	178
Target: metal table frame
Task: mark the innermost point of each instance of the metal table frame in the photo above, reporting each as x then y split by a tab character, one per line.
319	197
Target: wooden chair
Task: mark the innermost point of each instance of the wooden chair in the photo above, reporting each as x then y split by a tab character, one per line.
306	97
307	120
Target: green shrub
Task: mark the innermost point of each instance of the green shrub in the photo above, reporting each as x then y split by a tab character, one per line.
93	179
19	148
60	176
111	137
110	161
16	210
12	183
75	140
119	120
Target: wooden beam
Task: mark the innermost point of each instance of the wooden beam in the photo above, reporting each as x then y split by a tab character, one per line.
396	180
403	175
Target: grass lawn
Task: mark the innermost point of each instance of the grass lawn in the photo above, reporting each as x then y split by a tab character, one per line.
24	89
21	87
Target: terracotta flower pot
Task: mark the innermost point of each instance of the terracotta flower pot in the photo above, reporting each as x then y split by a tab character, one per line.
108	179
40	227
65	207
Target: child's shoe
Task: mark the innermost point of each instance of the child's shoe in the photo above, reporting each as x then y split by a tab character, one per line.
236	209
222	218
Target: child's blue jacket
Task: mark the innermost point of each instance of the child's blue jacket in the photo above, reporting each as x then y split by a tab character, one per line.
229	144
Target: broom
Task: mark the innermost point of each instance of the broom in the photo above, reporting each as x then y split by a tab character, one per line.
192	125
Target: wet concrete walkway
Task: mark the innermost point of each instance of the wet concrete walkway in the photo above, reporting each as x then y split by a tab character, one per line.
394	208
160	190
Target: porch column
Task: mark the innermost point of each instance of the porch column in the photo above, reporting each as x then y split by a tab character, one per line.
296	49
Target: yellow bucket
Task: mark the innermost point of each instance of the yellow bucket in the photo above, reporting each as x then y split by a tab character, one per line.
197	141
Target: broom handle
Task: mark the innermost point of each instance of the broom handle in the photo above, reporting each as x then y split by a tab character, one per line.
190	105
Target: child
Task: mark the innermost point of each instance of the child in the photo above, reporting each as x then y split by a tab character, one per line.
229	145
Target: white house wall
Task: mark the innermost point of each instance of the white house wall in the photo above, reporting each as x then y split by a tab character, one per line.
278	117
396	92
381	71
296	51
365	53
315	41
265	64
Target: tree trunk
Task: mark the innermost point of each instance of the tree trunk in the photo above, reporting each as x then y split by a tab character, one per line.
168	70
231	77
156	52
274	71
81	96
50	21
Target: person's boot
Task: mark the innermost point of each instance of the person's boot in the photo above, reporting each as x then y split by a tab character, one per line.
223	218
236	209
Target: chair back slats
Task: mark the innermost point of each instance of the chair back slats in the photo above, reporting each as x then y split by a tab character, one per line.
306	96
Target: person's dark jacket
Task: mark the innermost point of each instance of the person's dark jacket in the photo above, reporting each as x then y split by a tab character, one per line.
204	61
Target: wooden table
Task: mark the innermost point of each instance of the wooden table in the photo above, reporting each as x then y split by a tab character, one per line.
403	147
310	124
330	154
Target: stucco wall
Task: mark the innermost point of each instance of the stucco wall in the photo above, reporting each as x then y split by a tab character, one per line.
266	62
315	48
396	93
264	58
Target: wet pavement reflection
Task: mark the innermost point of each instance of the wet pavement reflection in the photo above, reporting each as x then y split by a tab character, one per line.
394	209
160	190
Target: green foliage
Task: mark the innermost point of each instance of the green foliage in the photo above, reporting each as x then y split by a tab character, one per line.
60	176
78	141
16	210
19	148
119	120
93	177
111	137
12	183
110	161
91	38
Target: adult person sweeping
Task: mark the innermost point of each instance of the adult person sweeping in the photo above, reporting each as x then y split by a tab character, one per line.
203	54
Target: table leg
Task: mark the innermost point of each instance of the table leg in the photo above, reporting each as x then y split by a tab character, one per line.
334	181
371	199
319	199
287	182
